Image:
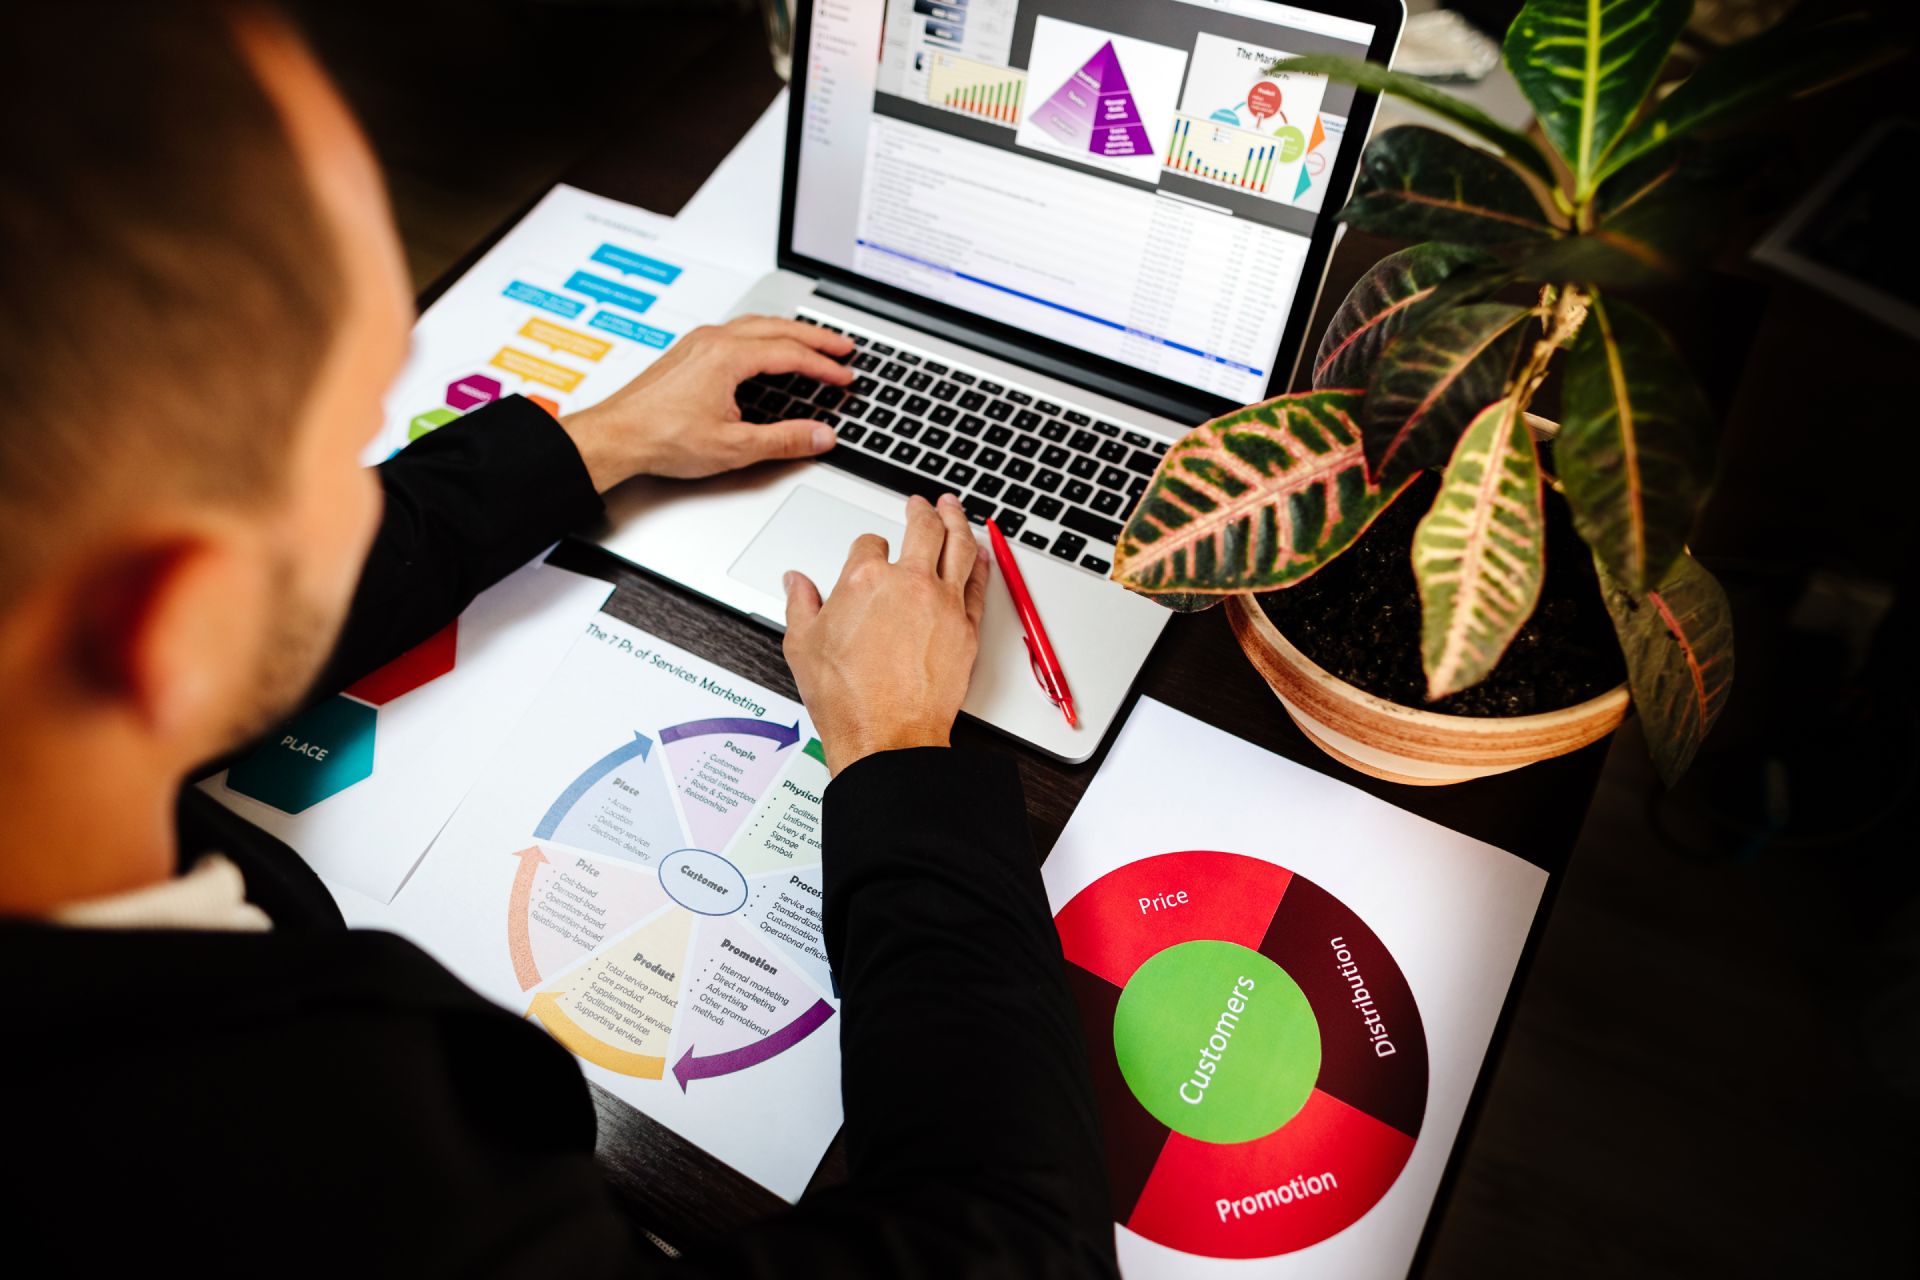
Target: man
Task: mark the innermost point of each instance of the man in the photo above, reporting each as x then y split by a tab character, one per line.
200	304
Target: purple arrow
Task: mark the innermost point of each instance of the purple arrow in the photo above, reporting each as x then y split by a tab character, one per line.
720	1064
785	735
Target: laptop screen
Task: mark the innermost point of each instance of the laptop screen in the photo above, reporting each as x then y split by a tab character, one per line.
1120	176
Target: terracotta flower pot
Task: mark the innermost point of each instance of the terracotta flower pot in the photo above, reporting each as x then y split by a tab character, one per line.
1407	744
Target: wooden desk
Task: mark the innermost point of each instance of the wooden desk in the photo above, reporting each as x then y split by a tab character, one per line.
668	1185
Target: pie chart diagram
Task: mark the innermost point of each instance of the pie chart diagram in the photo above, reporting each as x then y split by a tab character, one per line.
1257	1056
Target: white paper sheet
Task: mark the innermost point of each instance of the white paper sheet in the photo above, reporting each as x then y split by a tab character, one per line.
639	872
362	783
581	296
1261	1129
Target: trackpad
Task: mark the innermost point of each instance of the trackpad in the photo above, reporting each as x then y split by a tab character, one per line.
812	532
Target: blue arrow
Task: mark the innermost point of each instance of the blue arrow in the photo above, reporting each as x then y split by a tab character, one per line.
785	735
599	769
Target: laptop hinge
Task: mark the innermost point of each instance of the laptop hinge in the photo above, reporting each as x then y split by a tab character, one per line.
1173	407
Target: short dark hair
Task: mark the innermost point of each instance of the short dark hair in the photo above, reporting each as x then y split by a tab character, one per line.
169	287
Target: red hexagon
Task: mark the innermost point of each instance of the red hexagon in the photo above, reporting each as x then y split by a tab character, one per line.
422	664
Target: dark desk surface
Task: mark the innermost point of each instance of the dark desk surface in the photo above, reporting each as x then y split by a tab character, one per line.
671	1187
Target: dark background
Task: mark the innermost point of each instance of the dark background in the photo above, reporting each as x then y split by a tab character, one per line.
1714	1067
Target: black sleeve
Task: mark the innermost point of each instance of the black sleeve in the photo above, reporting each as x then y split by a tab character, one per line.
465	506
973	1144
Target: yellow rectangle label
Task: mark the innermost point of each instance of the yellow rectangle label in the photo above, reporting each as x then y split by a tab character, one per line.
561	338
534	369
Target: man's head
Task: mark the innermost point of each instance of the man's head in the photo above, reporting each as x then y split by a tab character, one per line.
201	303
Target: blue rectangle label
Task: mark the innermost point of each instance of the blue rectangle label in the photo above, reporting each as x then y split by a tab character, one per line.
608	322
611	292
546	300
629	263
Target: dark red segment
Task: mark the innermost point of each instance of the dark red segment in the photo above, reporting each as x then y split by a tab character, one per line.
1314	1176
1133	1137
1301	940
1133	912
422	664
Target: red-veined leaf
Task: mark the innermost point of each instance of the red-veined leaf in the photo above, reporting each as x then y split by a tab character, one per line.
1678	643
1429	383
1420	184
1397	293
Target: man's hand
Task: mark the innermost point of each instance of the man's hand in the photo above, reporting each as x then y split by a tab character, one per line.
885	663
679	418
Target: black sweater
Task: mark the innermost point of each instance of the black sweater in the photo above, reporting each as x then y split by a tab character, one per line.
315	1099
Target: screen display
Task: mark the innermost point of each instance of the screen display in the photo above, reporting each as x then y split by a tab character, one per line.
1125	178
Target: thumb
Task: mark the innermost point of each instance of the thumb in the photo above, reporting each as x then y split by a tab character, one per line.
803	599
795	438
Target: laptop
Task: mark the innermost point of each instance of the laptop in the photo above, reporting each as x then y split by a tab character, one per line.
1060	233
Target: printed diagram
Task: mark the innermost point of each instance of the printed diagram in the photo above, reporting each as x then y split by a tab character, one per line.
667	915
1258	1059
1240	126
1110	98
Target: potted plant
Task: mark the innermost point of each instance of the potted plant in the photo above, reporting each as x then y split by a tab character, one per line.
1529	258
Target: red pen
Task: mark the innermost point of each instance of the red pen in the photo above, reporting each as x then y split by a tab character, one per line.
1046	667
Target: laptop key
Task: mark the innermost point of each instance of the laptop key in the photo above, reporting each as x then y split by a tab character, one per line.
1113	451
970	425
1096	564
989	486
999	434
1038	541
1026	420
1026	446
1077	491
1078	418
1084	441
908	427
962	377
1048	480
1054	456
998	410
944	414
1047	407
1092	525
991	388
851	433
961	447
960	475
1068	547
893	371
1047	508
916	405
879	417
889	395
904	452
971	400
878	442
859	339
1144	463
1018	469
934	366
1137	488
1016	496
883	348
1019	397
864	386
932	464
907	357
1083	467
1106	428
1054	431
1160	447
1107	502
978	510
919	381
991	459
1135	439
1009	521
1113	478
937	439
944	390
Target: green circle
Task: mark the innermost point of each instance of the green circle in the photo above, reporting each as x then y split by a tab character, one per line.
1216	1041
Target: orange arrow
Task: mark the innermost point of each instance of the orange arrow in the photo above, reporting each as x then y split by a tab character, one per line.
519	906
546	1007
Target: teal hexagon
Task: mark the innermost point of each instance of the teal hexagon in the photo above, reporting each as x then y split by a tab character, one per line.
319	753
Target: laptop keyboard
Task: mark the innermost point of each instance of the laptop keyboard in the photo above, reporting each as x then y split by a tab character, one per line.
1057	478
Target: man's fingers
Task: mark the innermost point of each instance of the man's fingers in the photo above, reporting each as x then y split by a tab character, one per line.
920	548
834	344
960	551
794	438
866	549
787	355
976	594
803	599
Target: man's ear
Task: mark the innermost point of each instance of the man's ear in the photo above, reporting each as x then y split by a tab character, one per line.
162	628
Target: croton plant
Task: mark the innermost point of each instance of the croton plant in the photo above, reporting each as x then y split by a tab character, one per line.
1429	365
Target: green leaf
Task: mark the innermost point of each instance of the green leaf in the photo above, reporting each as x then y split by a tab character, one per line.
1397	293
1373	78
1420	184
1479	554
1619	257
1633	442
1678	643
1747	78
1586	65
1430	381
1257	499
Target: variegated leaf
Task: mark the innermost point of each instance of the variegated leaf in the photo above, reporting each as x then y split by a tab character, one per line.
1371	77
1420	184
1791	60
1632	448
1479	555
1429	383
1678	643
1257	499
1397	293
1586	65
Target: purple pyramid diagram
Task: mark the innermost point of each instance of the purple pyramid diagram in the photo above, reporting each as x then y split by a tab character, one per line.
1093	111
